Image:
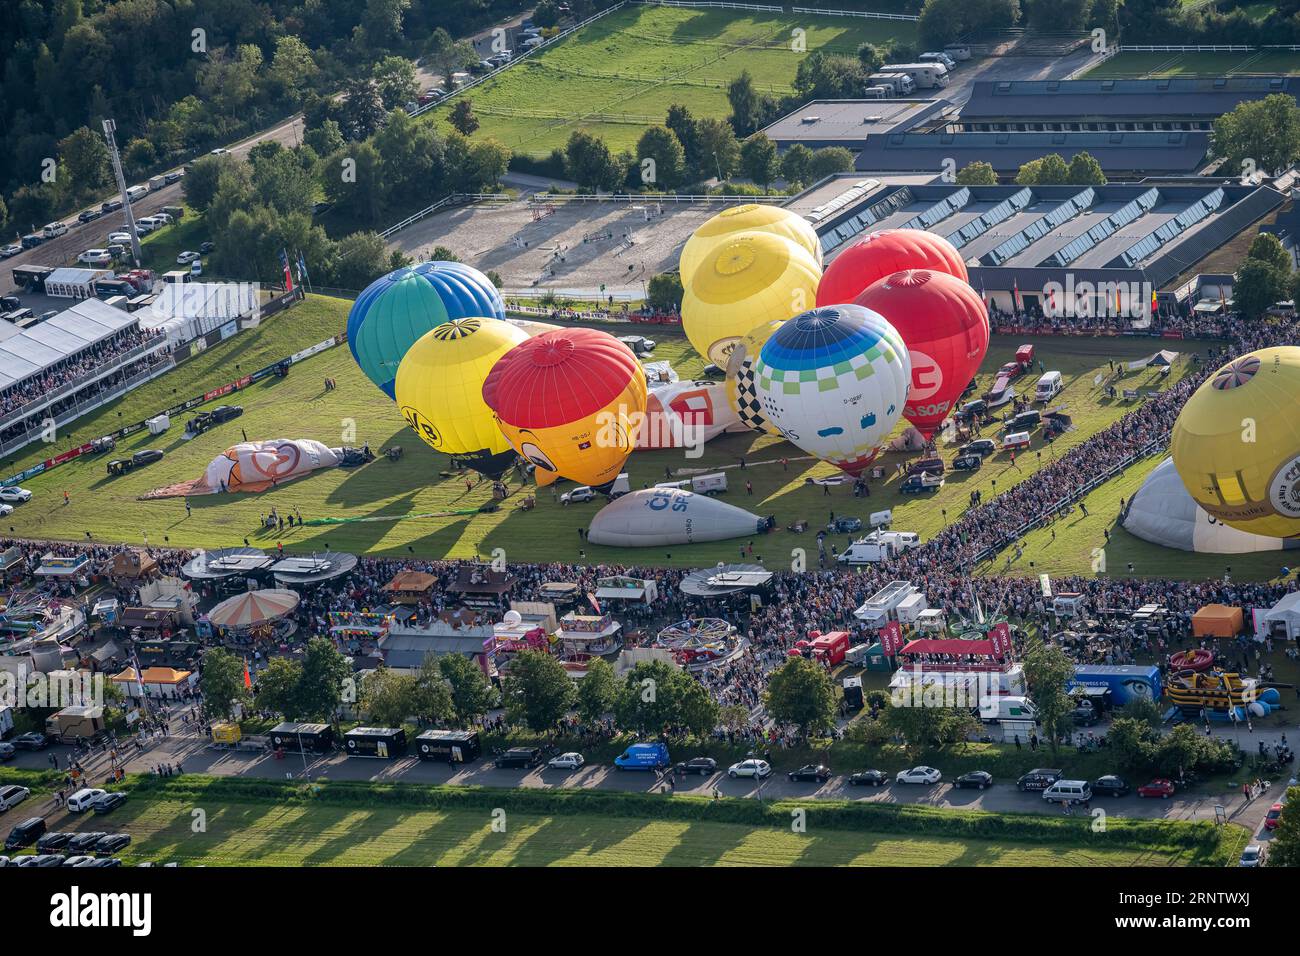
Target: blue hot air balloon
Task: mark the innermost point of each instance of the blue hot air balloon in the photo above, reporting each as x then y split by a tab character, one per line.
397	309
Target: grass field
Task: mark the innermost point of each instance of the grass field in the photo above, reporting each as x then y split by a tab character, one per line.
620	74
387	491
1262	63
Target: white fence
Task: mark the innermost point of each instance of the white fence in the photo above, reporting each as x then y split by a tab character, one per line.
866	14
455	199
544	199
758	7
1187	48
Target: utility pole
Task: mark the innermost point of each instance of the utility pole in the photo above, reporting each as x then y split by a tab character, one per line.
109	127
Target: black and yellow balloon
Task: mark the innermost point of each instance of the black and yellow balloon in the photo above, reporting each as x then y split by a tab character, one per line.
439	389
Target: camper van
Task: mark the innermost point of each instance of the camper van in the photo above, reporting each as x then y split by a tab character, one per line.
136	193
1048	387
901	84
877	93
879	546
926	76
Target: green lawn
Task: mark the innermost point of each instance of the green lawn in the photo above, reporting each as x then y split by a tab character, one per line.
1196	64
385	491
160	248
620	74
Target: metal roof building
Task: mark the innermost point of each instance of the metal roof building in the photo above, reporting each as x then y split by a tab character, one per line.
32	350
1120	154
1161	104
848	122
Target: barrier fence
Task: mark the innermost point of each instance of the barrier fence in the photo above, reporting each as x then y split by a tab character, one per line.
866	14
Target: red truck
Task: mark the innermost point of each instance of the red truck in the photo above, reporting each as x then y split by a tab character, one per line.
829	647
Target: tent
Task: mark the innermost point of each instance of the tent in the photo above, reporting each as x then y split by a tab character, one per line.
253	608
1287	613
955	646
1217	620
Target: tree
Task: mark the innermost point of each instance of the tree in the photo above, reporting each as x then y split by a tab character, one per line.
823	75
1052	170
1084	170
682	124
1260	285
796	164
828	161
325	138
977	173
292	69
462	117
661	146
746	109
1266	247
870	57
86	158
382	22
200	183
139	155
395	81
664	292
546	15
469	688
943	21
759	160
923	726
1047	670
719	148
277	687
362	111
1130	743
446	55
1285	845
283	184
588	163
324	671
538	691
222	681
656	697
432	702
1258	136
388	698
596	691
359	259
351	180
800	692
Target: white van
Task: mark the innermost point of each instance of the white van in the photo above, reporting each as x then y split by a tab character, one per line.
53	230
1048	387
136	193
621	486
880	519
1070	791
83	798
709	484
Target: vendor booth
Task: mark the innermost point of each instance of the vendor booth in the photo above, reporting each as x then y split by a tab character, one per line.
304	738
386	743
1217	620
448	746
155	683
1283	618
624	588
411	587
478	585
133	567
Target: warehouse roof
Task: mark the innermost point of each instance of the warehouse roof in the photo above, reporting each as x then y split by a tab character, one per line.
35	349
1118	99
849	122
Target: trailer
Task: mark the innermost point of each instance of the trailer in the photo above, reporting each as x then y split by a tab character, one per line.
882	606
926	76
386	743
830	647
302	738
76	723
448	746
911	607
1124	681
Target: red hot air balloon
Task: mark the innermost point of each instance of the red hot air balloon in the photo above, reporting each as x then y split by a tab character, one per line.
945	325
882	254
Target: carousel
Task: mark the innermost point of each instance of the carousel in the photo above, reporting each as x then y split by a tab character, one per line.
699	642
255	616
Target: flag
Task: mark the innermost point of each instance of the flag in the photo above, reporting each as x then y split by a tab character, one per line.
284	263
1154	304
1015	295
1052	301
594	603
302	268
135	666
248	678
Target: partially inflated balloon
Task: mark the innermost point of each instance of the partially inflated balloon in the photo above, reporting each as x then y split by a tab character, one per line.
750	217
569	401
883	253
945	326
398	308
440	391
750	279
1236	443
740	378
834	381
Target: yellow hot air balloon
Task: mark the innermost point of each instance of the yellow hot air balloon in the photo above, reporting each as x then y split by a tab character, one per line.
752	278
1236	443
740	378
750	217
439	389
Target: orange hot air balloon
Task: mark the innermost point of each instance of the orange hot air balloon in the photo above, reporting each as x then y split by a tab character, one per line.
945	326
882	254
570	402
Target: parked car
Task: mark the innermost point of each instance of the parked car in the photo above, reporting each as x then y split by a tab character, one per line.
811	772
750	768
95	257
1273	817
1110	786
43	860
85	842
12	249
53	841
90	215
704	766
1037	780
980	446
7	751
186	257
845	524
103	861
6	510
219	151
109	802
83	798
14	493
31	741
78	860
979	779
926	466
113	843
1160	787
967	463
205	248
123	237
915	484
25	834
868	778
1253	856
919	775
569	761
12	795
520	757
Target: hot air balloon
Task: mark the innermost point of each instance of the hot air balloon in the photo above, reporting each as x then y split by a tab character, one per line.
569	401
883	253
439	390
750	217
945	325
398	308
740	378
751	278
834	381
1236	443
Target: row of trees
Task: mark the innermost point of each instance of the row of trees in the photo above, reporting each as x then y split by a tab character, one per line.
1051	170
